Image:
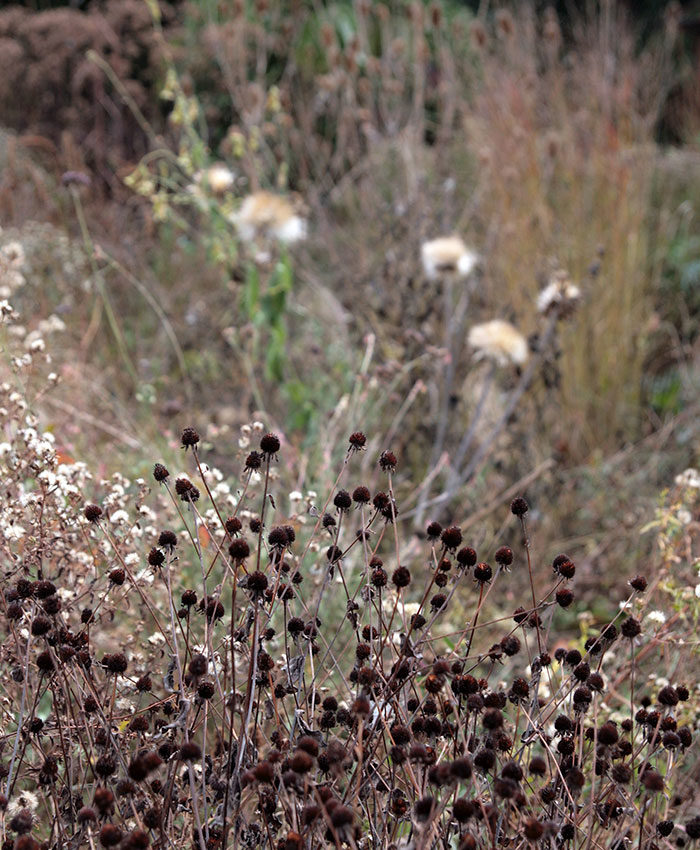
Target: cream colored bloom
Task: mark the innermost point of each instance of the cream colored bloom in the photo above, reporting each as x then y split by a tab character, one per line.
500	341
218	177
689	478
560	293
270	215
447	255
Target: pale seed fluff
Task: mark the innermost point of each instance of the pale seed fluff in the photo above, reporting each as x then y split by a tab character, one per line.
218	177
689	478
447	255
560	293
269	215
499	341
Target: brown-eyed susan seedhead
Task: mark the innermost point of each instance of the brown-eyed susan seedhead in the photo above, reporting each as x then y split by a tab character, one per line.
451	537
387	461
115	663
519	507
190	751
239	549
504	556
167	539
361	495
156	558
92	513
160	473
254	461
342	500
639	583
186	490
483	573
357	441
270	444
189	438
401	577
630	627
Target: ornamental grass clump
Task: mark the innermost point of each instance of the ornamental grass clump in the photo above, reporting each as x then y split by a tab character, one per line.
211	671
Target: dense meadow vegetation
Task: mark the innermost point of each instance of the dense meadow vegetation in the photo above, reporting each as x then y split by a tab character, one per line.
350	443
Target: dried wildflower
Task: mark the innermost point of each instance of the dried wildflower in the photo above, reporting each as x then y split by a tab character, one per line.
264	214
692	828
270	444
189	438
361	495
387	462
343	501
156	558
639	583
257	583
451	537
239	549
447	255
401	577
115	663
564	597
167	539
357	441
92	513
160	473
186	490
504	556
519	506
218	178
630	627
110	835
253	461
117	576
190	751
499	341
483	573
560	295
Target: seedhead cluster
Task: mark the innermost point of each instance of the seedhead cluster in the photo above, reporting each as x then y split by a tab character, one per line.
183	664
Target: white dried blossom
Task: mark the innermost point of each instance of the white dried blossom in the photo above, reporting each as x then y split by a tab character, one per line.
559	294
120	517
13	533
499	341
447	255
25	800
268	215
657	617
689	478
12	254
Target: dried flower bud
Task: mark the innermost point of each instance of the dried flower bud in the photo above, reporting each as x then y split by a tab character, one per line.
189	438
270	444
160	473
92	513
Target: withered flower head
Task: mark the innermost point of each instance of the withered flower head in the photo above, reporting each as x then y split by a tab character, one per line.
189	438
270	444
387	461
92	513
357	441
160	473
